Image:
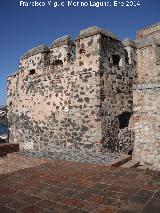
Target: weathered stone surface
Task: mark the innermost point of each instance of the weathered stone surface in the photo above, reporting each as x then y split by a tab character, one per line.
146	99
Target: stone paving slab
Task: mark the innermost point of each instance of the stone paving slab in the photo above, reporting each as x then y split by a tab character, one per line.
74	187
72	155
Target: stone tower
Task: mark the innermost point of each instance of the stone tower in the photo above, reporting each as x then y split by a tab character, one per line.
95	94
73	95
146	98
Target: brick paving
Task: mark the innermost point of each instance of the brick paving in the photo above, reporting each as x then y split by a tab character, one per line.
14	163
65	186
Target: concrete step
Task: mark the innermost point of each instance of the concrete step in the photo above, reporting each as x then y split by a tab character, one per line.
120	161
131	164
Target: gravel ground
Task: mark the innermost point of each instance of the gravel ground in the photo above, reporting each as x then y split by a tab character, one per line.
71	155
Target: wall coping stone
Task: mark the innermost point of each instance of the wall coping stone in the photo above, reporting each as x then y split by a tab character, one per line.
149	27
150	31
13	74
62	40
93	31
146	42
127	42
35	50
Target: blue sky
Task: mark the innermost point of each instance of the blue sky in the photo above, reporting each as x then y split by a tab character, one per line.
22	28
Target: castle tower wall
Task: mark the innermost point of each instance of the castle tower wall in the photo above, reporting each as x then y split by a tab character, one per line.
71	95
97	94
116	95
57	101
146	100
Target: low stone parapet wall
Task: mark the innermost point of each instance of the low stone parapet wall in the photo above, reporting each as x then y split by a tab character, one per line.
8	148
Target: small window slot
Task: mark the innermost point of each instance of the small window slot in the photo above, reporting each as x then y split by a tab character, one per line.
116	60
32	72
124	119
82	51
58	63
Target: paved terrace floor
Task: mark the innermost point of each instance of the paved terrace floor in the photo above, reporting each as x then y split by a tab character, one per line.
66	186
